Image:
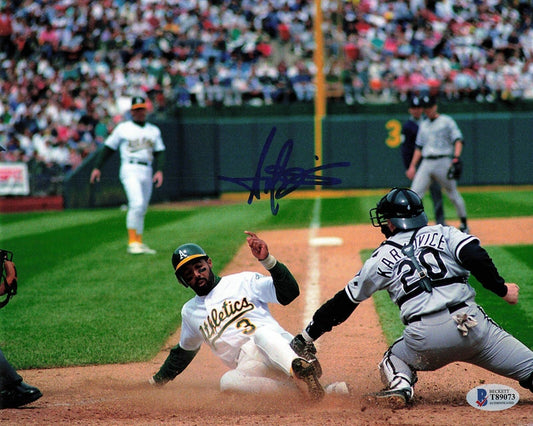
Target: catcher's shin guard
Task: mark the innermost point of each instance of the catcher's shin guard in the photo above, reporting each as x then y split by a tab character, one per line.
395	374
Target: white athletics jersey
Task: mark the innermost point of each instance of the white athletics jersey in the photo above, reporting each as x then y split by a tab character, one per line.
135	142
228	316
437	137
437	249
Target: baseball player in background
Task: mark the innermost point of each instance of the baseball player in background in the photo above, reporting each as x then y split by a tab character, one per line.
141	151
439	143
425	271
231	315
407	149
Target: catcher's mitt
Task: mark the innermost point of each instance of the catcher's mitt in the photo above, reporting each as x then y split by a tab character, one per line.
456	169
8	271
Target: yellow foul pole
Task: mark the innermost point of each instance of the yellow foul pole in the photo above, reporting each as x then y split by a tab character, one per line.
320	95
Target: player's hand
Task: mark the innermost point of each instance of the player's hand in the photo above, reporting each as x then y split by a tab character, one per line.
512	293
410	172
95	176
158	178
258	246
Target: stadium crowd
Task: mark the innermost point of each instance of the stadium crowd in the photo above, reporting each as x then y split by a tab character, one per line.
69	67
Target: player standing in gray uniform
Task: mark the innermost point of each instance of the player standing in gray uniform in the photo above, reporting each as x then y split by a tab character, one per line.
407	149
439	142
425	270
140	145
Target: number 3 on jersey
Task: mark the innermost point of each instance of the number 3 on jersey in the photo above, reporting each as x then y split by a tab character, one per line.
246	325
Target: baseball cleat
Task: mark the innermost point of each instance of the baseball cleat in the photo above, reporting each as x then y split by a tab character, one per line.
338	388
147	250
309	354
394	398
139	248
305	371
464	228
307	351
135	248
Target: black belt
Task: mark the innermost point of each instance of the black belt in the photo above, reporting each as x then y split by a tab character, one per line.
142	163
437	283
435	157
451	309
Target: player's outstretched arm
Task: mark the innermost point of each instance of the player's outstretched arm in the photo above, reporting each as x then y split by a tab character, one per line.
286	286
333	312
477	260
258	247
178	359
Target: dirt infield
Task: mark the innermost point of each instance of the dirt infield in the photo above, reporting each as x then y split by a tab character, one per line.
120	394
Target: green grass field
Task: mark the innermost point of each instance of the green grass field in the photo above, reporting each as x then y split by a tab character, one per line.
82	300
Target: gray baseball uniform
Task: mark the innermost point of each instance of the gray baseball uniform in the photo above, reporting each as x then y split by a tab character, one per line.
436	139
450	305
442	325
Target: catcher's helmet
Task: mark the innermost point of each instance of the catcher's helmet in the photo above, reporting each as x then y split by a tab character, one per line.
184	254
403	207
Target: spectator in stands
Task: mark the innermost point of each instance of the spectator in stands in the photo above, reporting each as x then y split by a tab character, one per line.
59	58
283	90
6	31
302	82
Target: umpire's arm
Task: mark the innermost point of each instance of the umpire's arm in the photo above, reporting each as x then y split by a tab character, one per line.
411	171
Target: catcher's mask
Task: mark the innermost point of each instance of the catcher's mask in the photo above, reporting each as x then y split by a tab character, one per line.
183	255
8	285
403	207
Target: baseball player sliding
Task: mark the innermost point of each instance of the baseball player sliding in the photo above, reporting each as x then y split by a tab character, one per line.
140	144
425	270
231	315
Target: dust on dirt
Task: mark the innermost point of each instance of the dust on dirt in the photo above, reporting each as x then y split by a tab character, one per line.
120	394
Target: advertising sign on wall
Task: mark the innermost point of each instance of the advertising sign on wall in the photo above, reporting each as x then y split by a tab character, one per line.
14	179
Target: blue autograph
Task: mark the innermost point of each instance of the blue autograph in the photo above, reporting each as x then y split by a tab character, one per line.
288	179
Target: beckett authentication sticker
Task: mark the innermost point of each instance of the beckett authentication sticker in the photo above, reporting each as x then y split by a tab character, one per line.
492	397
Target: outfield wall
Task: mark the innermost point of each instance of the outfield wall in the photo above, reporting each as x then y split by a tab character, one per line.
497	151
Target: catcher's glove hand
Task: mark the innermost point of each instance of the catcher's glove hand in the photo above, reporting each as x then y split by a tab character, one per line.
456	169
307	351
8	276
